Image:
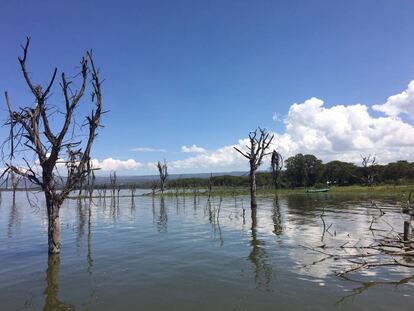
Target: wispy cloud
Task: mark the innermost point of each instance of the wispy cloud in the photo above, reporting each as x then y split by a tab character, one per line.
193	149
147	149
277	117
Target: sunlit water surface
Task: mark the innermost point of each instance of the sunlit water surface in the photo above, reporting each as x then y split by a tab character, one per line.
178	253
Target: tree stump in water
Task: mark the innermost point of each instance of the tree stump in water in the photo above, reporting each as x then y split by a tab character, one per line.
407	231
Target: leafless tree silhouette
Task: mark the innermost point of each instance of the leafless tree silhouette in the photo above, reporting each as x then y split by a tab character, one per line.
163	171
32	135
368	163
259	144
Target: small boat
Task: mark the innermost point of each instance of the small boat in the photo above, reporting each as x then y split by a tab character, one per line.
317	190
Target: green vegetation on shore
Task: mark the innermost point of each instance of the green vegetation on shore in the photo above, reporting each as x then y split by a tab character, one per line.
400	191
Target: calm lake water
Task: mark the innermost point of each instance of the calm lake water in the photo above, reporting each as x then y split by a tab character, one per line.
177	253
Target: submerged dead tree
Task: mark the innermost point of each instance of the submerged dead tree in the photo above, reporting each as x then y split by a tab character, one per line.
276	165
259	144
113	182
163	171
41	148
91	184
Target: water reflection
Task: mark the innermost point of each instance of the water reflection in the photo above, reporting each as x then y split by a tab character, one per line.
81	216
81	223
132	208
364	286
277	217
100	253
14	218
51	292
214	219
162	219
114	208
89	252
258	256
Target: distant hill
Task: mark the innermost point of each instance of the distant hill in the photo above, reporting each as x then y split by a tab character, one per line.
151	178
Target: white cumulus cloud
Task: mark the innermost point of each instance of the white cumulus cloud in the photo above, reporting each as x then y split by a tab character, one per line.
342	132
193	149
224	157
402	103
111	164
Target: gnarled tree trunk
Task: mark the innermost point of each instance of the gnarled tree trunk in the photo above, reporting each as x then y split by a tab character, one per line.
31	131
53	232
253	189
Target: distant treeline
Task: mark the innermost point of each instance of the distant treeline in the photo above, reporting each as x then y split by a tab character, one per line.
298	171
308	171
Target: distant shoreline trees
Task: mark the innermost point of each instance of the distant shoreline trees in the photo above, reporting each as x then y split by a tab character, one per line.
309	171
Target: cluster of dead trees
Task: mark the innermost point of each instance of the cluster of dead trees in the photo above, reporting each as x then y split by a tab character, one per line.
49	148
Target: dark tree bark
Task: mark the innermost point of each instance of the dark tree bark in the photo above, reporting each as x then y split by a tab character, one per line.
32	135
53	231
259	143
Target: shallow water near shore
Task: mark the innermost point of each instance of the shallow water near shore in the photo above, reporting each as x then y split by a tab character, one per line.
180	253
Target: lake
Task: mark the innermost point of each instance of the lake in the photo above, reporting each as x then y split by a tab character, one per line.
180	253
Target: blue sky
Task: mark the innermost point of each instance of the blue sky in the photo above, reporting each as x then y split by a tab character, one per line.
180	73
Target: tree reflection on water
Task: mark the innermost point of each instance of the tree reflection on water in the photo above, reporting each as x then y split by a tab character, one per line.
162	219
277	217
51	292
258	256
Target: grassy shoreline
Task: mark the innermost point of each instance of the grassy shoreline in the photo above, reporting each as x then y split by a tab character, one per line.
397	191
401	191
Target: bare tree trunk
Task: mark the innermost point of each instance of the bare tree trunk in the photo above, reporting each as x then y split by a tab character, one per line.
53	232
30	130
253	189
256	152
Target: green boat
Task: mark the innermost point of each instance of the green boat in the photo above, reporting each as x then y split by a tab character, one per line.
317	190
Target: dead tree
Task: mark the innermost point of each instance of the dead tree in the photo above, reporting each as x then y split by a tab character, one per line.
133	189
39	152
210	186
153	188
259	143
276	165
91	184
163	171
112	180
368	163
